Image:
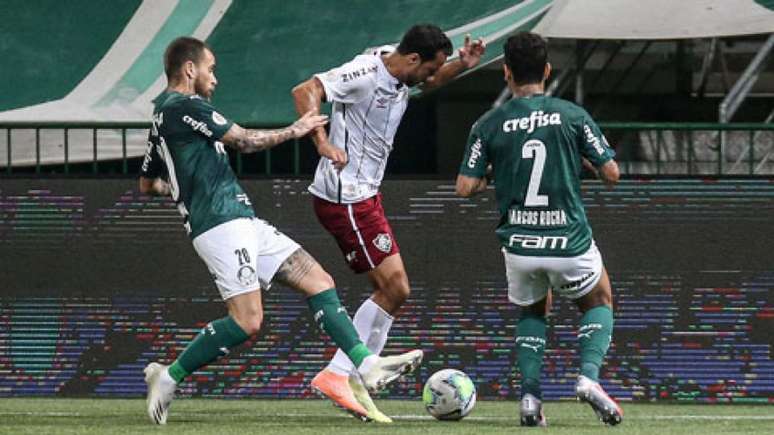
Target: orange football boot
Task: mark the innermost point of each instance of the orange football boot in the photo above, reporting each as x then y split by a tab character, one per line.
336	387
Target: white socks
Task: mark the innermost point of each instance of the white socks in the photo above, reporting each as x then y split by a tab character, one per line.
373	325
367	364
166	378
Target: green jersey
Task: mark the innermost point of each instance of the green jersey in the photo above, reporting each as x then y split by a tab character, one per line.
535	145
184	147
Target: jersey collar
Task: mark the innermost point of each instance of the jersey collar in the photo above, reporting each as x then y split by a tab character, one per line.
391	79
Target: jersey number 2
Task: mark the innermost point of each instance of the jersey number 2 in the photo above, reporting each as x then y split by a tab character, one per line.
535	149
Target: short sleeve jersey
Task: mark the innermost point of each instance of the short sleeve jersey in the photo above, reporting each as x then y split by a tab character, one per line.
368	104
535	145
184	147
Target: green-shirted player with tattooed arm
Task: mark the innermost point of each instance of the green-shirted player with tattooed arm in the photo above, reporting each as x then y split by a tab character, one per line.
537	146
186	159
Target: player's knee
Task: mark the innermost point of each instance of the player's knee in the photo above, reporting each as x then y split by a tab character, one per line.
402	293
603	293
399	289
604	298
600	295
249	320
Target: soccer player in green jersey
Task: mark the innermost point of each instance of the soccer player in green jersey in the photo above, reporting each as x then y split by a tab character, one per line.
186	159
536	146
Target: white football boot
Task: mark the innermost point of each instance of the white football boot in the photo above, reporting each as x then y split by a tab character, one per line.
382	371
603	405
161	391
363	398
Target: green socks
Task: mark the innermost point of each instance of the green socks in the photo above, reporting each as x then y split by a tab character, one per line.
594	334
218	337
332	318
213	341
596	327
530	346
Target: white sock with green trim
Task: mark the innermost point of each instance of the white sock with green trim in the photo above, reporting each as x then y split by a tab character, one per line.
373	326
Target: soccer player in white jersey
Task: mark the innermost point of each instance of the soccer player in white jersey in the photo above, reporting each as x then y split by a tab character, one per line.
186	159
369	95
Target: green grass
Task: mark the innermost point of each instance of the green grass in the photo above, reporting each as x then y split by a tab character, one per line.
243	417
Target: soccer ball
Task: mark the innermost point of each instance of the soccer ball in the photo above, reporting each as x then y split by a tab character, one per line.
449	395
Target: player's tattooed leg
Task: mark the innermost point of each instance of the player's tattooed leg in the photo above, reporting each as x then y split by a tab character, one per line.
295	268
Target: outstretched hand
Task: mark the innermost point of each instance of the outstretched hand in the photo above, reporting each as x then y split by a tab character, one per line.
307	123
471	51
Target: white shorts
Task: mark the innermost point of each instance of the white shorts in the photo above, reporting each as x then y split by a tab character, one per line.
243	254
530	277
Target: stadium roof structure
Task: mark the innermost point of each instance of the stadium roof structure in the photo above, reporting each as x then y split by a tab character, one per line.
105	64
657	19
265	48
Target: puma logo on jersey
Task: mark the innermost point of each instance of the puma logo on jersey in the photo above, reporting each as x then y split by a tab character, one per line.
529	123
242	197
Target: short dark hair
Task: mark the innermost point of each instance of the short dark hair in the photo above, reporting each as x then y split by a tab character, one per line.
180	51
526	56
425	40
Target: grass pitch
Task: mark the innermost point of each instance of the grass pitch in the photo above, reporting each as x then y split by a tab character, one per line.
212	416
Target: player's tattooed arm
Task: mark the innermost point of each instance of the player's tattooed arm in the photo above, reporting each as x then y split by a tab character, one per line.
154	186
295	268
250	141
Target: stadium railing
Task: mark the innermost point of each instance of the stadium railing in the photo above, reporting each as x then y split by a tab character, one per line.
693	148
642	148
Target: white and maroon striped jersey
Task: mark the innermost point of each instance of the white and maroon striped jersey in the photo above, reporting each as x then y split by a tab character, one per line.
368	104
